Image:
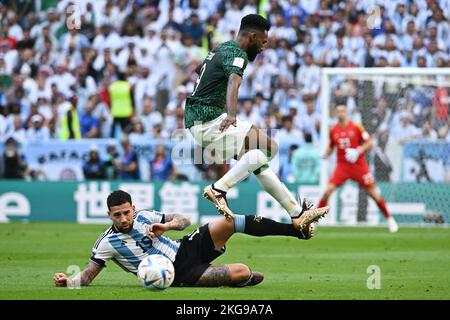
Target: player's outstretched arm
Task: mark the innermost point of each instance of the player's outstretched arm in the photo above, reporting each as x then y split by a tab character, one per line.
173	222
84	278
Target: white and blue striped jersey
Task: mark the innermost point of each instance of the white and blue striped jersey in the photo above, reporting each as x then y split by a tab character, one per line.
129	249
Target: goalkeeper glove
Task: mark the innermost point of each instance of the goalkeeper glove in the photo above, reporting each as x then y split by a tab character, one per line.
352	154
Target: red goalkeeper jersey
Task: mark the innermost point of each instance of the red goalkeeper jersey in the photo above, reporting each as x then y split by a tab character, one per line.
351	135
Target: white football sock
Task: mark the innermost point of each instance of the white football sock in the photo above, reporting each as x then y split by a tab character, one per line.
248	163
393	227
270	182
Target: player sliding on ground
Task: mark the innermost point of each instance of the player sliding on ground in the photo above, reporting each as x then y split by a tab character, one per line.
210	115
352	141
135	235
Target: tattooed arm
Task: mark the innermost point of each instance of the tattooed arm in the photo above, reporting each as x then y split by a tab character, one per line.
84	278
177	221
172	222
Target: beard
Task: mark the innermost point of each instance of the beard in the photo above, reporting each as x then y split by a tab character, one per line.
252	52
123	229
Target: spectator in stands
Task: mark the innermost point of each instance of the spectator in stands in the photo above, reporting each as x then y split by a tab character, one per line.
406	131
128	165
143	85
137	134
309	121
281	95
18	133
86	86
89	124
43	108
403	108
38	132
288	133
102	113
261	104
112	162
94	168
428	132
159	133
70	123
150	117
161	167
249	112
174	108
12	163
308	76
441	103
36	174
306	163
194	29
121	103
285	172
268	124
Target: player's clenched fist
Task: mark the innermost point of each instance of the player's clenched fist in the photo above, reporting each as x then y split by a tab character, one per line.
60	279
156	230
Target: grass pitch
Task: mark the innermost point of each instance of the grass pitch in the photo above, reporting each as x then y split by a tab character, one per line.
414	264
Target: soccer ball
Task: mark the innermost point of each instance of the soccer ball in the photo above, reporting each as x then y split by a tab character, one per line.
156	272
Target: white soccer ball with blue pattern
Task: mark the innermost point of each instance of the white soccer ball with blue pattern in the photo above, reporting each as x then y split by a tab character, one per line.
156	272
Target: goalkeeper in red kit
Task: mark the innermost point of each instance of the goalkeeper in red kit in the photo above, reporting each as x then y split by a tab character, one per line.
352	141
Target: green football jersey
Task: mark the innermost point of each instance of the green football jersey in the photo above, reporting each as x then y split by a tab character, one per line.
208	99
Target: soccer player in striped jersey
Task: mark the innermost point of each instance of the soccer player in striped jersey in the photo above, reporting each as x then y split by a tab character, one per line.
135	235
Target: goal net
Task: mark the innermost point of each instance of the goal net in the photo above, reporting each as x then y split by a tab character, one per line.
406	112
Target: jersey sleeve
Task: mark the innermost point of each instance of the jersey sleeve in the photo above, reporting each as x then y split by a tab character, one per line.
234	61
102	252
364	134
150	216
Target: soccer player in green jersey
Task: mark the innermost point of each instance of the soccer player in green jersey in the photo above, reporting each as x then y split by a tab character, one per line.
210	116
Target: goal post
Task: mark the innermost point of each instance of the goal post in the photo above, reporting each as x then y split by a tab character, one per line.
380	98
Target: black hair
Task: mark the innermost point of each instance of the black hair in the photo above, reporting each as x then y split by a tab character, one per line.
255	22
121	76
287	118
341	101
308	137
118	197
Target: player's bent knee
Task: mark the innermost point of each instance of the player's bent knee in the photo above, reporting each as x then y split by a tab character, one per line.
221	230
225	224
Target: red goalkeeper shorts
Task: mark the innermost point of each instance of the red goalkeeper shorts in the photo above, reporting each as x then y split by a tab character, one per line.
358	173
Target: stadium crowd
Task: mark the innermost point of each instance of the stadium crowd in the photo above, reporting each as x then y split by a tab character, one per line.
99	69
